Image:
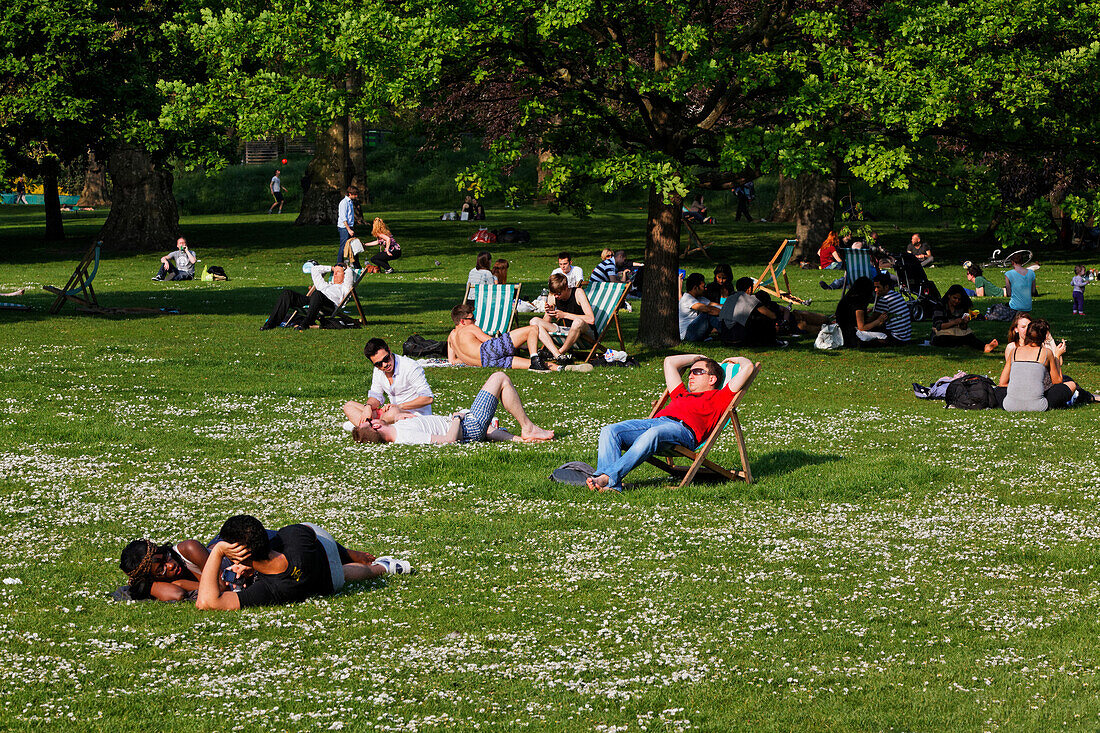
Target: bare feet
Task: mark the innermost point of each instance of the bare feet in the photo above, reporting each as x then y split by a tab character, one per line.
990	346
597	483
536	435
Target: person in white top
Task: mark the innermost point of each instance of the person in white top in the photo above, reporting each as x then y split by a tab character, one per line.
397	378
324	297
276	188
395	425
573	275
482	274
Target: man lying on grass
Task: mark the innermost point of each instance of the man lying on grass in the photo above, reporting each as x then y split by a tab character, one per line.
687	419
395	425
301	561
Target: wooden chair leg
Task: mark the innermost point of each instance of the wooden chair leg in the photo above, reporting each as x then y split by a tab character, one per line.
739	436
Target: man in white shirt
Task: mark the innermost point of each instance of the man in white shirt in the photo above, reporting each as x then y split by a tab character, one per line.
395	377
573	275
395	425
276	188
698	318
324	298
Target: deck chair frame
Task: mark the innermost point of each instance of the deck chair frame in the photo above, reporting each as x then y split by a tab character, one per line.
613	318
79	282
769	278
507	323
857	264
695	244
701	466
343	301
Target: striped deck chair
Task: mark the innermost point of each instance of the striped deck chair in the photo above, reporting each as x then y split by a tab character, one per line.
495	307
769	279
606	299
857	264
79	288
701	466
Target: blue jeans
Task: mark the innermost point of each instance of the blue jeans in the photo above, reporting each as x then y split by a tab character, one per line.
344	237
640	439
701	327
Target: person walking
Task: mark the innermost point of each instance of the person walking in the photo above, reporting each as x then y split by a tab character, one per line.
276	188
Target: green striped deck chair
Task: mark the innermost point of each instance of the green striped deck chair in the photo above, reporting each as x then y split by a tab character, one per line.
495	307
857	264
701	466
606	298
79	288
769	279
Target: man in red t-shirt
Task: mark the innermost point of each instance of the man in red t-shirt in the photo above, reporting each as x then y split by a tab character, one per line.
690	415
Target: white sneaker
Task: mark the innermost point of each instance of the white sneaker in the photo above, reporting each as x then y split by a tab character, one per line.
349	426
397	567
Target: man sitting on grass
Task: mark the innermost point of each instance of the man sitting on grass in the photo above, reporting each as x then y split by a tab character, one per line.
687	419
301	561
395	425
468	344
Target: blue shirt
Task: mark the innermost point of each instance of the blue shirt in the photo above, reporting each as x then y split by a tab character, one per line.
1020	300
346	213
604	272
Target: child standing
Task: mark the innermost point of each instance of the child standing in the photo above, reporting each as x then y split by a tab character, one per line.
1081	278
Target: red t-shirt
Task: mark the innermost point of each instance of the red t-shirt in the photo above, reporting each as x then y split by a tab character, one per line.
826	255
700	411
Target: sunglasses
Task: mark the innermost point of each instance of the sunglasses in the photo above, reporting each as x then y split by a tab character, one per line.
699	371
384	360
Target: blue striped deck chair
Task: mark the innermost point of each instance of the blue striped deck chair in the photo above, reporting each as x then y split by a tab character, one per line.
701	466
79	288
605	298
857	264
495	307
769	279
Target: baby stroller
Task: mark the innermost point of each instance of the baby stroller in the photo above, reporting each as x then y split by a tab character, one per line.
920	293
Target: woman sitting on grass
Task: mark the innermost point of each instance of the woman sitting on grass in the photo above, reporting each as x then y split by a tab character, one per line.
500	272
951	322
1017	332
1021	385
722	285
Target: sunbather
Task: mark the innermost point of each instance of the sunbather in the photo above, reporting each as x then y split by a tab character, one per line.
395	425
468	344
692	412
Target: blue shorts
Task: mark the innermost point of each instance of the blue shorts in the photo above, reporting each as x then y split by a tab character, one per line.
476	423
498	352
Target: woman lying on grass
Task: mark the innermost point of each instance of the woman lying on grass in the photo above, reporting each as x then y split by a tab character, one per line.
163	572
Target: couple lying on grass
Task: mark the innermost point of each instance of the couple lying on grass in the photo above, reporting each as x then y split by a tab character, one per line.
247	565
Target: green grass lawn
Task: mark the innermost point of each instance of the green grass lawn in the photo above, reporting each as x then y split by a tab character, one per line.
894	567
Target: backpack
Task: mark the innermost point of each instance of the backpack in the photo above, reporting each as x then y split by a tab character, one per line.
484	236
217	272
338	322
511	235
418	346
971	392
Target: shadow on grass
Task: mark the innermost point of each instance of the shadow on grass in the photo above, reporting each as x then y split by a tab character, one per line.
770	465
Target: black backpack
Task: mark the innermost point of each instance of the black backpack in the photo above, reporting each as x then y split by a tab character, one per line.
418	346
971	392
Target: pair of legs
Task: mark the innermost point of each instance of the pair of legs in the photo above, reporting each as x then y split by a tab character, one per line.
314	305
1078	302
344	237
743	208
625	445
169	272
577	329
499	390
701	327
382	260
530	336
278	203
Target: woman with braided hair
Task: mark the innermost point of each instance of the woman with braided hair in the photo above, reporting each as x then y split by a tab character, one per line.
163	572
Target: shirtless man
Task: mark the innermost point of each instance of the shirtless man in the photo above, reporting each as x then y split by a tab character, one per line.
468	344
394	425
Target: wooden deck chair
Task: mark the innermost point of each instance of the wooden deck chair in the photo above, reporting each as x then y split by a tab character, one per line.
695	244
606	298
857	264
356	276
769	279
495	307
79	288
701	465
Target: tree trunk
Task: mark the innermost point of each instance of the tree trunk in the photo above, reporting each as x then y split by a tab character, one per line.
785	207
143	217
95	183
816	209
326	178
660	326
542	197
55	228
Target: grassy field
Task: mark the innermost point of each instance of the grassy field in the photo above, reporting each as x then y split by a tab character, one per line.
895	566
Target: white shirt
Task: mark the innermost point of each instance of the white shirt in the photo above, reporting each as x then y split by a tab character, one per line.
574	277
687	315
480	277
332	291
276	184
420	429
409	383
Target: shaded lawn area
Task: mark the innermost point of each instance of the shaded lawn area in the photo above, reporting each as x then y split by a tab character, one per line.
895	564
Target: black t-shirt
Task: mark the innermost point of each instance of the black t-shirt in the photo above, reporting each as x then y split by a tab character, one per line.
918	249
846	318
570	304
307	573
